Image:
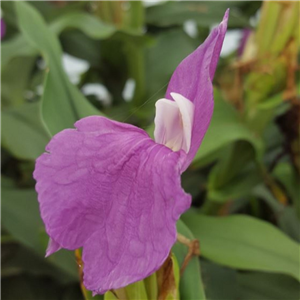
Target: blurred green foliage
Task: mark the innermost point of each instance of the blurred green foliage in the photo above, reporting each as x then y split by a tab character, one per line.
244	179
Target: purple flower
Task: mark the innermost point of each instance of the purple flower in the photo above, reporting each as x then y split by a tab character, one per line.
3	28
109	188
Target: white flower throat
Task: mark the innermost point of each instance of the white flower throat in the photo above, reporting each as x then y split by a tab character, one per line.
174	122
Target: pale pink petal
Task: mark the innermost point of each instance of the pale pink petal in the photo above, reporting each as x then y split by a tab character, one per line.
173	122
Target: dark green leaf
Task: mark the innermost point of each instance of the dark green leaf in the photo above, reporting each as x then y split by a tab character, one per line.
204	13
235	174
15	78
258	286
29	287
220	282
162	60
63	104
285	215
17	259
23	133
91	26
225	128
288	176
246	243
21	218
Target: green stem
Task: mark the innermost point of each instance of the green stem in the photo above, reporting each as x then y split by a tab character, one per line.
289	19
151	286
267	26
137	15
103	11
136	291
80	271
117	13
136	64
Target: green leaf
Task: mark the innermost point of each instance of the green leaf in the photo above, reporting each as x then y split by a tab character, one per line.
23	132
271	102
16	47
235	174
158	74
245	243
258	286
225	127
88	24
240	186
17	259
288	176
72	292
204	13
220	282
225	283
285	215
63	104
191	286
15	78
21	218
29	287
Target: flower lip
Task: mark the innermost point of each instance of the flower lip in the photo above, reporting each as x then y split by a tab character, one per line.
119	204
174	122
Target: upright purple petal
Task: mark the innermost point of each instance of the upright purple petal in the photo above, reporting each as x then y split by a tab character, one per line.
193	80
109	188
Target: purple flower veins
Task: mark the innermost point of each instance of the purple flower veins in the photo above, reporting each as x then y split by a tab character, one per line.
109	188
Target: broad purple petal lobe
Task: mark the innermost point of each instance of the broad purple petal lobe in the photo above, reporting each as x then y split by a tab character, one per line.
109	188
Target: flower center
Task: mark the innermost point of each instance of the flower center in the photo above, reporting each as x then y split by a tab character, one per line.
174	122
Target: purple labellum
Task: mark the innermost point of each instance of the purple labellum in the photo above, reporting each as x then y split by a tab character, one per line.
109	188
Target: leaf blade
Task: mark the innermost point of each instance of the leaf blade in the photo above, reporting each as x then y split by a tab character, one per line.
245	243
62	105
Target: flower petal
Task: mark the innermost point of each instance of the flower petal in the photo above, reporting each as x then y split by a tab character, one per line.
52	247
173	122
109	188
193	80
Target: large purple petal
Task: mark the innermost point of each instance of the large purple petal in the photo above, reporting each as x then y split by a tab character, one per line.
193	79
109	188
